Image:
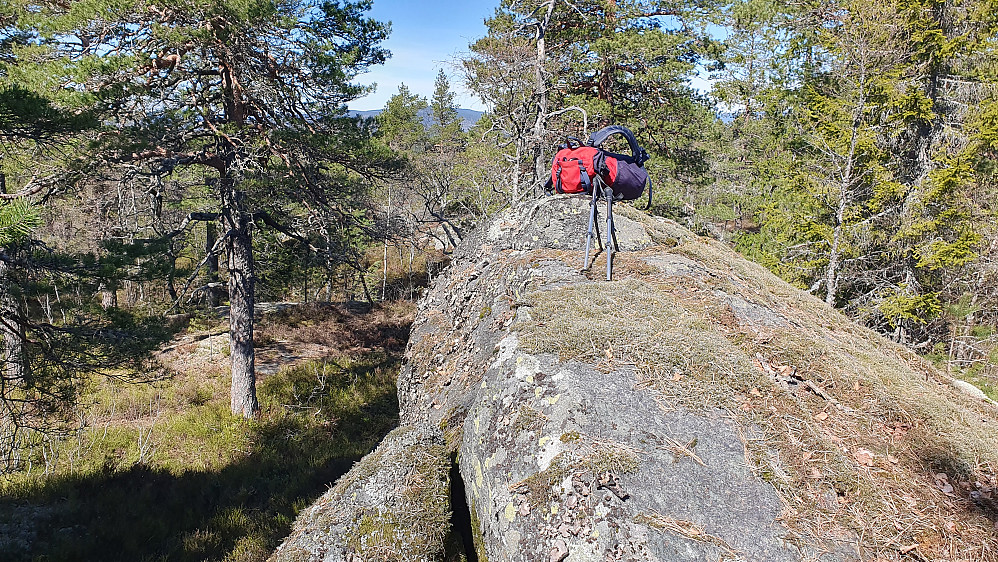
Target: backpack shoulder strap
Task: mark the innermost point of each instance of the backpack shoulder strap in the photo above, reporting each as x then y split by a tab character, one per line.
599	137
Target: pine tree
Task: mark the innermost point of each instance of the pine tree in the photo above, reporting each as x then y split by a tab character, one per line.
544	64
33	131
400	126
501	69
439	183
446	125
247	94
399	123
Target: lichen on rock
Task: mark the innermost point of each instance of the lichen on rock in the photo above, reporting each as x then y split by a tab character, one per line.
393	505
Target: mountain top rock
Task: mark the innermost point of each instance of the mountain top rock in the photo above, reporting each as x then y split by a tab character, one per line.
694	408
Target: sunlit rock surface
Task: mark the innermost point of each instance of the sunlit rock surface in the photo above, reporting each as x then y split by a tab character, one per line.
694	408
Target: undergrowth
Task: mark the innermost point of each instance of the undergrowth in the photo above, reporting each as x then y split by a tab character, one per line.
163	471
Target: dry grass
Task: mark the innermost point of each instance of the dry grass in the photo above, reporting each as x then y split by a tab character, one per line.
386	327
865	443
688	530
633	322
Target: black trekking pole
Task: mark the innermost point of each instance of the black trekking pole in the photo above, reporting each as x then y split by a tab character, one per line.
589	235
611	234
613	231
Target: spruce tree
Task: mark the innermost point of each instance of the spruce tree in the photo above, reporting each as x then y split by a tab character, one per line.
879	210
445	124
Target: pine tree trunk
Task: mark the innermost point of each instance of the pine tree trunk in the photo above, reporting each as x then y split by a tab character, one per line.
132	293
240	253
367	290
517	191
171	288
541	91
15	368
384	270
210	235
108	296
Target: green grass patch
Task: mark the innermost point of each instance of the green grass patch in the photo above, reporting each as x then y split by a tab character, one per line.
163	471
979	377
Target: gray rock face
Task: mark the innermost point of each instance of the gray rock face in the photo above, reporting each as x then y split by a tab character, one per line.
476	302
392	505
558	455
694	408
561	459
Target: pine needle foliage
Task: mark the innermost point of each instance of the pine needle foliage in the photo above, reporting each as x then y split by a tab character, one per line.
17	219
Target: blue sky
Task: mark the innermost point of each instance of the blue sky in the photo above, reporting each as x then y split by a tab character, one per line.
426	36
431	34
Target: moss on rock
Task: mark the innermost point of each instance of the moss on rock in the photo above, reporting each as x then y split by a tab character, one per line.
393	505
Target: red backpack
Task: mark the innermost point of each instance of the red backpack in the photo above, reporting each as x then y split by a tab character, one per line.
616	176
576	165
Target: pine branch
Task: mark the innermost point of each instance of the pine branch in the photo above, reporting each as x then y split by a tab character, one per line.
17	219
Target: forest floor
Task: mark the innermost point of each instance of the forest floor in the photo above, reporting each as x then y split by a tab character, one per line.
163	471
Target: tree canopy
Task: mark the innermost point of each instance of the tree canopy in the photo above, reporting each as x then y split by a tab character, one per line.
231	111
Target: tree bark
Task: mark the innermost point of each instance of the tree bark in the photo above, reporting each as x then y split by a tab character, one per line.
241	296
211	235
15	368
541	91
834	255
108	295
171	288
845	199
132	293
384	270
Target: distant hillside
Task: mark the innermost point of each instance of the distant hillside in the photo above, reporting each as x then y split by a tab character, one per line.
468	116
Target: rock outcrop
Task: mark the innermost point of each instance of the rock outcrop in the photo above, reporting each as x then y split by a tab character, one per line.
694	408
393	505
